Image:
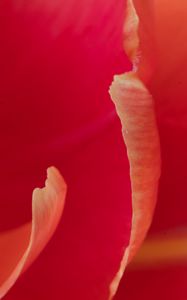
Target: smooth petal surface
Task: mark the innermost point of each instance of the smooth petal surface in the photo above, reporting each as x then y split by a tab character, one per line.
165	282
20	247
169	88
57	62
58	59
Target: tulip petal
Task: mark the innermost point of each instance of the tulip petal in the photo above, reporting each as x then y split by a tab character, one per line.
57	66
57	62
20	247
164	25
146	48
135	107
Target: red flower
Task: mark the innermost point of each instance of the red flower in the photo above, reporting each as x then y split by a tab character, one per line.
57	63
160	270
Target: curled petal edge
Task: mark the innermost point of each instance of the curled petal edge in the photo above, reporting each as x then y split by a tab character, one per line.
135	108
21	246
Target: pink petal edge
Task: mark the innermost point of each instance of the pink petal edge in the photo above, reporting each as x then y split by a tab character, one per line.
135	107
21	246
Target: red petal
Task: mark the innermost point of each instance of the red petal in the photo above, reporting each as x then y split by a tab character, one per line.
20	247
168	86
57	64
54	87
165	25
135	107
164	283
